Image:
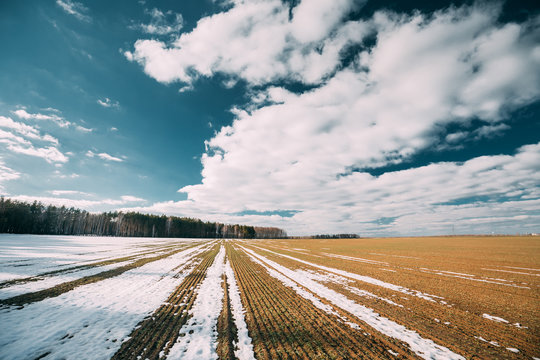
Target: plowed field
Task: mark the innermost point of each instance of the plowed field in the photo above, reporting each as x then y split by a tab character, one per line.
430	298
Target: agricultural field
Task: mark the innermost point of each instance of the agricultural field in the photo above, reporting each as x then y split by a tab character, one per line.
390	298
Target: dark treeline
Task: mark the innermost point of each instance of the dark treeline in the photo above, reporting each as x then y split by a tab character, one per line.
18	217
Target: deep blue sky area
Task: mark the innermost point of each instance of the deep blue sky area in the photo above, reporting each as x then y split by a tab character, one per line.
379	118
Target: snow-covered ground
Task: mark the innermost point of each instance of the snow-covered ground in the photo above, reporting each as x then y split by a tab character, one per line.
92	319
244	349
198	338
29	255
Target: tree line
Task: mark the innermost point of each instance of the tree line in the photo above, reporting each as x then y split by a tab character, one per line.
17	217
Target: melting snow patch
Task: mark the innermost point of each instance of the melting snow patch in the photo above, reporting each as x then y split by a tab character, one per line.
93	315
393	352
495	318
362	278
200	333
422	347
514	350
245	348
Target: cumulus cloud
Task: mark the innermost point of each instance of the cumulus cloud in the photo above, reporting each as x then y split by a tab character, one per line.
161	23
75	8
257	41
430	199
103	156
297	151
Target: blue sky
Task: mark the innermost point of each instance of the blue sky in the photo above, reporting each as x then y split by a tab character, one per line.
315	116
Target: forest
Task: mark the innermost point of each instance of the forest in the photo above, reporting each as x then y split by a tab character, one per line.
18	217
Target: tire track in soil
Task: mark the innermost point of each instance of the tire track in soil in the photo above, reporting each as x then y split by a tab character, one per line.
156	334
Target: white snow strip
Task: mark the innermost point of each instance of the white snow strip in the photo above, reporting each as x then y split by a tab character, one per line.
362	278
299	290
520	268
495	318
393	352
422	347
387	270
92	319
244	346
48	282
198	338
399	256
368	261
344	282
470	277
514	350
512	272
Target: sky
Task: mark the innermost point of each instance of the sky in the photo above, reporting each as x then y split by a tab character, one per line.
381	118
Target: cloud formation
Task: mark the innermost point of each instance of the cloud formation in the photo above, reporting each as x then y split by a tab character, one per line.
75	8
108	103
311	151
103	156
161	23
90	205
7	174
23	114
25	139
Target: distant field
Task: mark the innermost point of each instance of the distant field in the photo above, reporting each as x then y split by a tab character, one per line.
129	298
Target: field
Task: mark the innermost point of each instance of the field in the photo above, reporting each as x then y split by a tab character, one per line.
145	298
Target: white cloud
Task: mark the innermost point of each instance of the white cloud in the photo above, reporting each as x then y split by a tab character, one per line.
23	114
68	192
130	198
428	199
83	129
22	143
60	175
161	23
25	130
74	8
108	103
91	205
7	174
103	156
256	40
295	151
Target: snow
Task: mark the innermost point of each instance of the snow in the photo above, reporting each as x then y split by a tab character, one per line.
514	350
198	338
244	349
293	285
344	257
48	282
29	255
472	277
521	268
512	272
92	319
393	352
495	318
422	347
344	282
362	278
